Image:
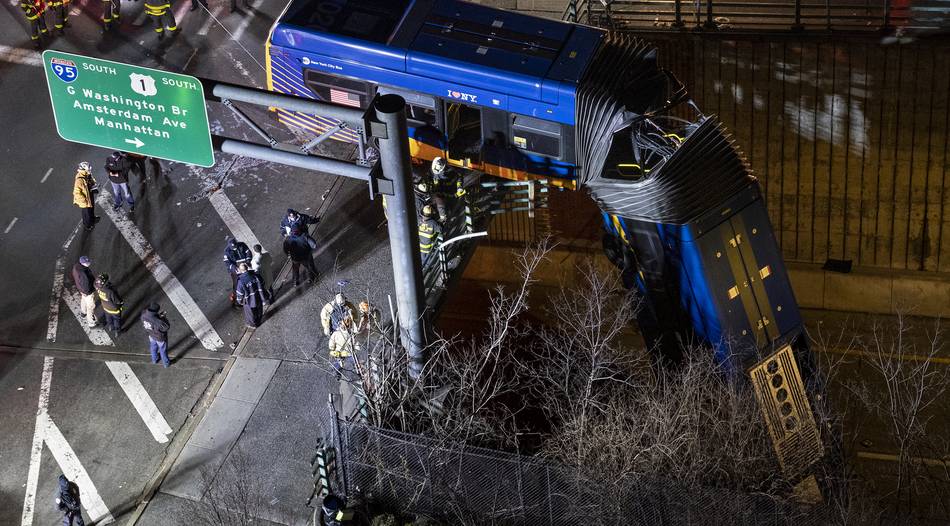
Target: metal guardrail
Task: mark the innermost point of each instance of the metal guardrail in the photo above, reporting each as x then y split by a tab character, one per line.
859	16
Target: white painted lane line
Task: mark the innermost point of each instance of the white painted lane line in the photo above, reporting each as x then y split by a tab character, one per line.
10	226
232	218
173	288
45	177
72	468
59	272
246	21
20	56
97	335
36	451
180	14
203	30
141	400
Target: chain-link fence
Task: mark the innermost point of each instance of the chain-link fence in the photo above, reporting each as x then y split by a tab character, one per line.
412	474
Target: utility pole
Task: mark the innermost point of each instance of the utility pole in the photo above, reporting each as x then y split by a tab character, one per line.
403	229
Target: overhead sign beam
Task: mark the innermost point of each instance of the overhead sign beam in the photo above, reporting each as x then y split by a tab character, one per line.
131	108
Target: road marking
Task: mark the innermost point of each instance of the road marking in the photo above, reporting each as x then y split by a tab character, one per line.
36	451
10	226
140	20
246	21
72	468
20	56
232	218
173	288
180	14
45	177
47	432
886	356
97	335
212	18
140	399
59	273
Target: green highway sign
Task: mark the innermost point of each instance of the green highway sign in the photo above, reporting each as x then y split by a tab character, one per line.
130	108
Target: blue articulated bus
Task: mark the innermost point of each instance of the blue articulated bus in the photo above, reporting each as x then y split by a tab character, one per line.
520	97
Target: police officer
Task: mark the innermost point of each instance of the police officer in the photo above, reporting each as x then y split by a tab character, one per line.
252	295
235	253
161	14
111	304
335	312
429	231
156	327
110	13
60	14
84	189
68	502
294	220
34	9
297	246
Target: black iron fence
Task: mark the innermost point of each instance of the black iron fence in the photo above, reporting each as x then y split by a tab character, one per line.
766	15
412	474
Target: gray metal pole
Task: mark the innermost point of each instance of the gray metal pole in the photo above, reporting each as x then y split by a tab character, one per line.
310	162
403	229
353	117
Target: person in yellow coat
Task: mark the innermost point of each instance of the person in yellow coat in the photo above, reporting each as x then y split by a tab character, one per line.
84	190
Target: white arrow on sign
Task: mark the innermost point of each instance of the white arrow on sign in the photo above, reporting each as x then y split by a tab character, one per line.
137	142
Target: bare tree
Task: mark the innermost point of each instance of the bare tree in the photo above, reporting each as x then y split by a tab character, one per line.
234	495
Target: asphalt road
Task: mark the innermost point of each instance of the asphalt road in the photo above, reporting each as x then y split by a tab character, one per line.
95	404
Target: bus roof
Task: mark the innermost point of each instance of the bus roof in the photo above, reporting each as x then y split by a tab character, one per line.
455	42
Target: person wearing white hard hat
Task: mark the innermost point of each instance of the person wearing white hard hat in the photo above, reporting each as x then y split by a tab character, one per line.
84	189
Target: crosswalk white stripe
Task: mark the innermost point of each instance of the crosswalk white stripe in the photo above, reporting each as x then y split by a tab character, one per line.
246	21
140	399
36	451
173	288
17	55
232	218
59	272
97	335
74	471
203	30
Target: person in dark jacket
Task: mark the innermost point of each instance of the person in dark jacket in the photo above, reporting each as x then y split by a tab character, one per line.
85	282
234	254
156	327
297	247
252	295
68	502
117	167
294	220
111	303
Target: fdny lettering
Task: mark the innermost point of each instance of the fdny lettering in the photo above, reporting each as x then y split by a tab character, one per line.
464	97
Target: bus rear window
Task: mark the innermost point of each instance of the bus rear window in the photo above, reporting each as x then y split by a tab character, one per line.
372	20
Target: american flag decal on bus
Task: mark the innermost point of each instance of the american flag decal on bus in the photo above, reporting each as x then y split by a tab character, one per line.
344	97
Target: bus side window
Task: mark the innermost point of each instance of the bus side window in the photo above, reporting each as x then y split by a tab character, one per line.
420	114
464	131
339	90
536	136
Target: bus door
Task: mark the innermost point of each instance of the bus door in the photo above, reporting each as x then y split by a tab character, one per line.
463	129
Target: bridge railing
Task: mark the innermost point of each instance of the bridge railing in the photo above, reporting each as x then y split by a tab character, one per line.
767	15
